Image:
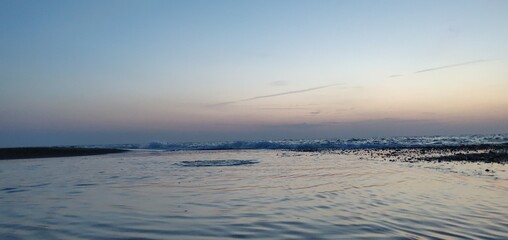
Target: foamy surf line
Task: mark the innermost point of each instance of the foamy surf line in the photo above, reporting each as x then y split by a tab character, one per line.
324	144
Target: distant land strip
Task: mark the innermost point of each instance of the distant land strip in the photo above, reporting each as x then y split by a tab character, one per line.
50	152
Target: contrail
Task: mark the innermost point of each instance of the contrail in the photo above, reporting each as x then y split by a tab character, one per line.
443	67
395	76
273	95
451	66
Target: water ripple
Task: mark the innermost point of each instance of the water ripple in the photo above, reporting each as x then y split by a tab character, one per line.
141	195
216	163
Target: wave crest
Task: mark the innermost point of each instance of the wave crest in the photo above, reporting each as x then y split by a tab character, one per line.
323	144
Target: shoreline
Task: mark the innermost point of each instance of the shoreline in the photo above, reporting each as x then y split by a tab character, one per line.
52	152
484	153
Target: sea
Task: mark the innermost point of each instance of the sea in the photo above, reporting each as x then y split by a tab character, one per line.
284	189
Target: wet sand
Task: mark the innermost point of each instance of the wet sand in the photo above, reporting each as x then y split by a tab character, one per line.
485	153
51	152
474	153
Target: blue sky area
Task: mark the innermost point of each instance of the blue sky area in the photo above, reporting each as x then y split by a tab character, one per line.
94	72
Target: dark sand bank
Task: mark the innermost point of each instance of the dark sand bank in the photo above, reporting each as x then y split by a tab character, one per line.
48	152
486	153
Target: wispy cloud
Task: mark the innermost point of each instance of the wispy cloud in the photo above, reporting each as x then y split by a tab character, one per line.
451	66
273	95
279	83
443	67
283	108
395	75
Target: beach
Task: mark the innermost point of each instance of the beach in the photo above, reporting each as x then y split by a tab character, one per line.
51	152
484	153
180	120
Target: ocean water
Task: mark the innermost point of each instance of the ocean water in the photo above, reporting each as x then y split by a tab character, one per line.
320	144
258	194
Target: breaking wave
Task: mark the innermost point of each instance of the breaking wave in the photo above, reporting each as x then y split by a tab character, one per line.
323	144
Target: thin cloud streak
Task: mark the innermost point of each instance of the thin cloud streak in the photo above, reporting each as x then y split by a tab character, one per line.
443	67
283	108
395	75
451	66
273	95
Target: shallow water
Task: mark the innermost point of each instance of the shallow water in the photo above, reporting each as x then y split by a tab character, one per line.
150	195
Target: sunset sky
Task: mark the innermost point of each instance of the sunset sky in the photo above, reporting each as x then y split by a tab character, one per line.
94	72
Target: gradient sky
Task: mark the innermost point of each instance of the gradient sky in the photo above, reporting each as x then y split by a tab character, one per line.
94	72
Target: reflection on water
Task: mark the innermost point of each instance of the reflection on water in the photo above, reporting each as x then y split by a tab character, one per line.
284	195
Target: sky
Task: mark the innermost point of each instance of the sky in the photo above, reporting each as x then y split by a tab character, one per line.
99	72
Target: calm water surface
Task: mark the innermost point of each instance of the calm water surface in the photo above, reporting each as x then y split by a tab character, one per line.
279	195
